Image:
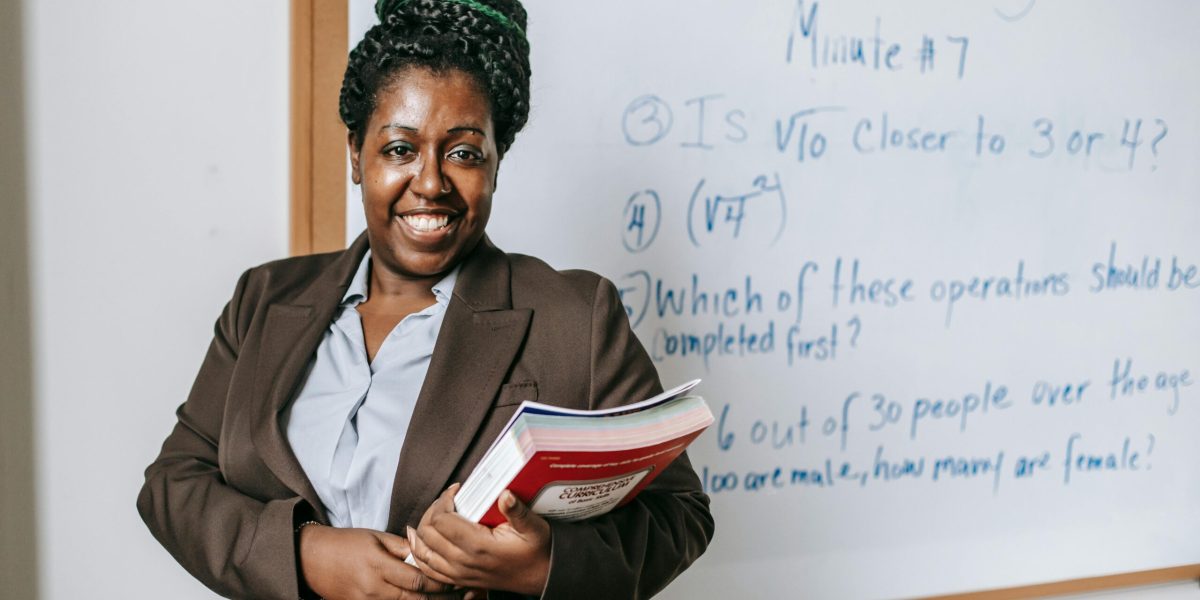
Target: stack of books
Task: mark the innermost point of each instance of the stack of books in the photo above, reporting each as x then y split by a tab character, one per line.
574	464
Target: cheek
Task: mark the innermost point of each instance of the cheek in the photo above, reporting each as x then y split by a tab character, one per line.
379	193
372	204
481	206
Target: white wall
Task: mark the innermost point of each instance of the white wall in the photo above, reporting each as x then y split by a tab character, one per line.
158	172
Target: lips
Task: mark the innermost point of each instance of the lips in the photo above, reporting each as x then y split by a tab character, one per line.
427	224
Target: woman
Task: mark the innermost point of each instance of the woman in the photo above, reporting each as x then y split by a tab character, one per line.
345	393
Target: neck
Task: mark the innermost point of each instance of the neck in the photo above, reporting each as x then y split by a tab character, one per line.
386	284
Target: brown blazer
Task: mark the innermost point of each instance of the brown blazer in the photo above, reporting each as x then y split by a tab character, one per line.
226	492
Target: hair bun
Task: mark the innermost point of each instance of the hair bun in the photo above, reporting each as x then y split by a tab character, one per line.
385	7
513	19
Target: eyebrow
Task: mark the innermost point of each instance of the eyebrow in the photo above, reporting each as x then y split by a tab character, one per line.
398	126
467	128
459	129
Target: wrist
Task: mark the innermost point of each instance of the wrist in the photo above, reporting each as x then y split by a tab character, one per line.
304	556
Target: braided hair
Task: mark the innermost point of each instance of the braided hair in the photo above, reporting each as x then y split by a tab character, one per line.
482	38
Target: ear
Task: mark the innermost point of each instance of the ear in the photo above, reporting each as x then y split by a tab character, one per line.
353	148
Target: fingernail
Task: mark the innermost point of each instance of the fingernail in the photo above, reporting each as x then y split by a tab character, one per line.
509	499
469	596
412	533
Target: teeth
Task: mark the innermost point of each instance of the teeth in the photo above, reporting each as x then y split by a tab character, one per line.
427	222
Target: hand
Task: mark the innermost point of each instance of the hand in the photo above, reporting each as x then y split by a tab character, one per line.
361	563
513	557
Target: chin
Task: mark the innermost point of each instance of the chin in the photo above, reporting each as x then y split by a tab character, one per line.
415	263
422	265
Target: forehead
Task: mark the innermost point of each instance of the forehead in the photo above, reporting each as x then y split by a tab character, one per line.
418	95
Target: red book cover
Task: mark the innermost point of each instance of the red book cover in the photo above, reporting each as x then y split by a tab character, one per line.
575	485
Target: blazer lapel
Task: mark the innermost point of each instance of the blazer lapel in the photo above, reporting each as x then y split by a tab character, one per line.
478	342
293	330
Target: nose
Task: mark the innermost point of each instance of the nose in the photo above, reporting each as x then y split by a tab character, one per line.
430	182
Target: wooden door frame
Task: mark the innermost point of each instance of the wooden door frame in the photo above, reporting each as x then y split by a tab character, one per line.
318	138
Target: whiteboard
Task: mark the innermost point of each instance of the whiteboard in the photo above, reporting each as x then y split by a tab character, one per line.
938	264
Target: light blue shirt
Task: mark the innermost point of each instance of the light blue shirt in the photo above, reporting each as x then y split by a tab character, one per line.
348	423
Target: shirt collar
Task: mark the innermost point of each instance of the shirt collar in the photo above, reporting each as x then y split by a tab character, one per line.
357	292
445	286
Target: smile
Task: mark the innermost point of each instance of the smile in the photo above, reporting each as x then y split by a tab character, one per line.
426	222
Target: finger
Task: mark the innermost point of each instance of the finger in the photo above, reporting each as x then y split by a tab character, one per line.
431	563
443	504
403	575
462	555
446	499
445	543
522	521
412	579
516	512
417	543
442	528
455	537
394	544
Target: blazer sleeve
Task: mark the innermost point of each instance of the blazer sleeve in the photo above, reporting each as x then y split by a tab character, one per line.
636	550
238	546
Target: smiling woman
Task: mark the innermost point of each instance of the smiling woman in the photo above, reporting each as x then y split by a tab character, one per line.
427	165
345	395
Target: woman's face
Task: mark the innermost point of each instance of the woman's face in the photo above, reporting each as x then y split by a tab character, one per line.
427	168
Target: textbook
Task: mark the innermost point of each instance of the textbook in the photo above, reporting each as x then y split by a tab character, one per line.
569	464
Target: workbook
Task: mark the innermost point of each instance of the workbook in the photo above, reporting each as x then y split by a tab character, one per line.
569	464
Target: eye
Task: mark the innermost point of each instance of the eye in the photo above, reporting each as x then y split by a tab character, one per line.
466	154
399	150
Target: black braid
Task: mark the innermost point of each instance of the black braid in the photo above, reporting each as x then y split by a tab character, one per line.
441	36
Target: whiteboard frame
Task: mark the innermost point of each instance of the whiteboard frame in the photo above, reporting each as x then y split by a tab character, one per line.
319	34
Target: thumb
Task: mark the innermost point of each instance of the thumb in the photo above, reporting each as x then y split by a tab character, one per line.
516	512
